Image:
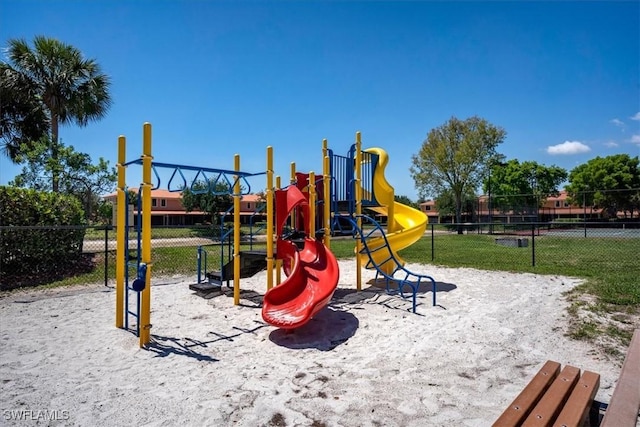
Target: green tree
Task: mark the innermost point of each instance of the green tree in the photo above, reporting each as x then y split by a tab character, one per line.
523	187
455	157
22	121
209	197
446	203
58	84
77	174
262	200
611	183
133	197
104	211
406	201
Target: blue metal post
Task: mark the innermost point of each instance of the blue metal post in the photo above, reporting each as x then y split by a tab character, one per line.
199	263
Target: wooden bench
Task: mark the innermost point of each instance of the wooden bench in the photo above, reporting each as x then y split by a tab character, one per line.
564	397
623	408
553	397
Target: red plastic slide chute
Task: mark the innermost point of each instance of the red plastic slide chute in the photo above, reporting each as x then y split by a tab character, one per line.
312	271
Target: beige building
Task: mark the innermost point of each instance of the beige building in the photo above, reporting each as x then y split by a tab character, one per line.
167	209
554	208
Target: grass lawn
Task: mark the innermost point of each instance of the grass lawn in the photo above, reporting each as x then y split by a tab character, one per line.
609	265
173	232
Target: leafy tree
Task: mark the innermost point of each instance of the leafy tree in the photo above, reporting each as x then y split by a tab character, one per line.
201	197
446	203
132	197
611	183
262	199
104	211
34	256
22	121
523	186
59	86
455	157
406	201
77	175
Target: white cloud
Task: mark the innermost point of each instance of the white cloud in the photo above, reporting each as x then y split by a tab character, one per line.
617	122
568	147
635	139
611	144
636	116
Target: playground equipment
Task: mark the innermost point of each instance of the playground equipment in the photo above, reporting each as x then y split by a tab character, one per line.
358	182
405	225
348	183
141	285
312	270
351	184
252	261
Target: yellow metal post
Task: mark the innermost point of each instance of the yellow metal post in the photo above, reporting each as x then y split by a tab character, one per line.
269	217
236	232
144	317
121	206
326	182
358	195
270	225
312	205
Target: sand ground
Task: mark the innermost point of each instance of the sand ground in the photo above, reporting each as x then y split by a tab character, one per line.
365	360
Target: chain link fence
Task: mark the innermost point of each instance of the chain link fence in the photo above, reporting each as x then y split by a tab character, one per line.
508	246
589	205
174	252
514	246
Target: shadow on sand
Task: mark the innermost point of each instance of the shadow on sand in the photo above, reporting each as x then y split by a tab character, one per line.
327	330
376	293
164	346
422	289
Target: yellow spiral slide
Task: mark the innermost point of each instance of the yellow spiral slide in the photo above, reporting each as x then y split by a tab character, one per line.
405	225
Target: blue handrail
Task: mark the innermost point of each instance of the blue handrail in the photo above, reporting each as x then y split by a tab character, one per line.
260	228
407	278
184	180
225	236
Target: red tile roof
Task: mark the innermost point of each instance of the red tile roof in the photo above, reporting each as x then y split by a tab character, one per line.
166	194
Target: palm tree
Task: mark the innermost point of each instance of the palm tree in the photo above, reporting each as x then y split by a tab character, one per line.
22	121
59	86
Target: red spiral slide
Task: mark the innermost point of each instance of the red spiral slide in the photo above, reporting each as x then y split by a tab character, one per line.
312	277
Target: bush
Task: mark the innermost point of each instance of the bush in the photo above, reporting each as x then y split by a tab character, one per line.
41	234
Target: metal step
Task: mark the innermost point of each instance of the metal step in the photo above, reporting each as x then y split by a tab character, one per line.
216	276
205	287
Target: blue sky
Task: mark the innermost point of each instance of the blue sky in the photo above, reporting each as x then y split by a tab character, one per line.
218	78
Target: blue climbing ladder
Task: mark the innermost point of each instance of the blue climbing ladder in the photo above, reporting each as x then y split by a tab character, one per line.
399	280
133	287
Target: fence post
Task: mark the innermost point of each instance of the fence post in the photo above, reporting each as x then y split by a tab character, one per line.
199	262
533	245
432	244
106	255
585	227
